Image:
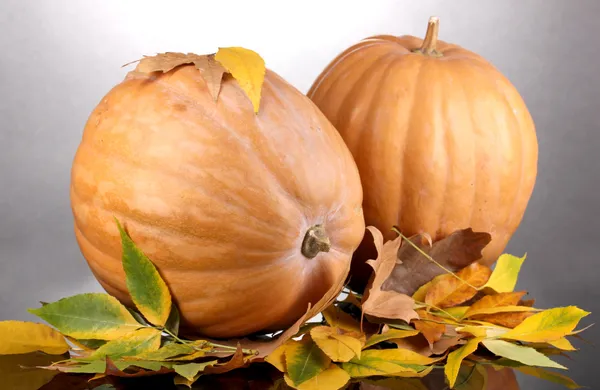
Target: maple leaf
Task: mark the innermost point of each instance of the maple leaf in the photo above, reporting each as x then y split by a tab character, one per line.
454	252
385	304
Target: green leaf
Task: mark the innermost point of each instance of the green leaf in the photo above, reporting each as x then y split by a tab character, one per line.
387	362
167	352
148	290
145	364
135	343
190	370
18	337
304	360
505	274
525	355
390	335
95	367
456	357
88	316
550	376
549	325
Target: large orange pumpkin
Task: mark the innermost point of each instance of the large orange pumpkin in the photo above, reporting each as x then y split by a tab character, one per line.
248	217
441	138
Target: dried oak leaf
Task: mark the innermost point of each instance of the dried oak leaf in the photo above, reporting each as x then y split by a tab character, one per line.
212	71
386	304
454	252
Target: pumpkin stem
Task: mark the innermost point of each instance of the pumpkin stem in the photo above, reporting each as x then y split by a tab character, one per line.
431	37
315	241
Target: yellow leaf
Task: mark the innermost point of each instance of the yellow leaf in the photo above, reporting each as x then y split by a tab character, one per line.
135	343
332	378
448	291
17	337
340	319
390	335
456	357
549	325
505	274
247	67
387	362
456	311
419	295
304	360
499	309
277	358
563	344
338	346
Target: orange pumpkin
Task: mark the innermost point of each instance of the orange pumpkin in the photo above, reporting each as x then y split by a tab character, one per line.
442	140
248	217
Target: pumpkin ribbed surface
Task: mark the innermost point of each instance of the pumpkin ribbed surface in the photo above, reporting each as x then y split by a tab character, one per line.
218	197
442	141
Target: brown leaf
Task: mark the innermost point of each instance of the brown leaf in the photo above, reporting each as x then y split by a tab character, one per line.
430	326
495	300
456	251
385	304
212	71
448	291
508	320
236	361
418	344
444	344
527	302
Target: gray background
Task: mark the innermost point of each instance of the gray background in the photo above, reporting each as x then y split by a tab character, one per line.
58	58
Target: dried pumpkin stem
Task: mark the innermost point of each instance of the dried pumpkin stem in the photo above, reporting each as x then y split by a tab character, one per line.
431	37
315	241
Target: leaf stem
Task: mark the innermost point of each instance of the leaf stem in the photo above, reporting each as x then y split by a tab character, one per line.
433	260
226	347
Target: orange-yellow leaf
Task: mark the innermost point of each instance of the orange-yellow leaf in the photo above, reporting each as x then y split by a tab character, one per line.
277	358
496	300
332	378
430	326
339	319
421	293
508	320
19	337
456	357
247	67
390	335
499	309
448	291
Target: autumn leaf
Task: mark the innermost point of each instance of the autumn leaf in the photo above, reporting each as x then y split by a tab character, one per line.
390	335
332	378
89	316
554	377
387	362
304	360
277	358
134	343
339	346
20	371
496	300
508	320
147	289
471	378
237	360
430	326
454	252
456	357
247	67
525	355
165	352
17	337
190	371
505	274
563	344
548	325
385	304
448	290
337	318
141	368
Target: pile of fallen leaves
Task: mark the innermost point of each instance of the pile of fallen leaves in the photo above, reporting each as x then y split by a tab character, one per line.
428	308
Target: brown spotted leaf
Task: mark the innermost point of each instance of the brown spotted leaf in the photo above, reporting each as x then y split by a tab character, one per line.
448	290
454	252
386	304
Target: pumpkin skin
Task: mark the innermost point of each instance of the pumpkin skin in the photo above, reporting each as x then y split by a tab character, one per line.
218	197
443	141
